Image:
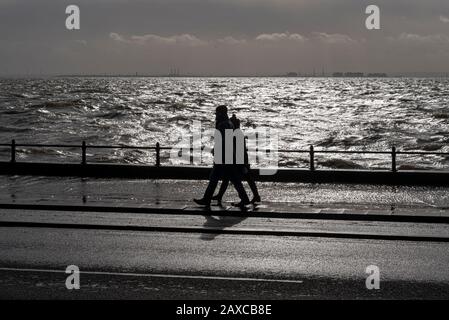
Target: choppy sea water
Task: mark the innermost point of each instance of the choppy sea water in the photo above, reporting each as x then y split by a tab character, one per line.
329	113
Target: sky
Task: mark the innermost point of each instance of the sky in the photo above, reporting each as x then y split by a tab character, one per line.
223	37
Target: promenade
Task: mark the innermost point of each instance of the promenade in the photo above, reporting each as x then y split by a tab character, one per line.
146	239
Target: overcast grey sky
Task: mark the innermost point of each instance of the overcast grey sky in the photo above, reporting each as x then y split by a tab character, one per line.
223	37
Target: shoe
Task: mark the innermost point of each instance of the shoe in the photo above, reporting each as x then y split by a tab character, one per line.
202	202
217	198
256	199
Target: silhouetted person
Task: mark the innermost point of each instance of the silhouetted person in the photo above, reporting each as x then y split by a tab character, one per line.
246	170
222	170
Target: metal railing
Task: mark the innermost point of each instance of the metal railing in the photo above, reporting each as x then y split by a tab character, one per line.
158	148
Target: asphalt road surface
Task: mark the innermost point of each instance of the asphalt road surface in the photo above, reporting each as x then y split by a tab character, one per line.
129	264
150	265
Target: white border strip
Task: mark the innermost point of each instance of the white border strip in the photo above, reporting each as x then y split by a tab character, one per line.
156	275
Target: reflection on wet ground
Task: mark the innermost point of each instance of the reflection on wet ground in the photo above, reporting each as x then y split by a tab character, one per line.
152	192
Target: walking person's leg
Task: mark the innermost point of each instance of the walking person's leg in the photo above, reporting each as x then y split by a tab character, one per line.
238	185
235	176
222	191
252	184
215	176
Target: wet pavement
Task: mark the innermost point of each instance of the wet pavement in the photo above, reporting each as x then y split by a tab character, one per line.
197	265
320	198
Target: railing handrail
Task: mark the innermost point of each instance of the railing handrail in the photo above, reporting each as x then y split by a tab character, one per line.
94	146
157	147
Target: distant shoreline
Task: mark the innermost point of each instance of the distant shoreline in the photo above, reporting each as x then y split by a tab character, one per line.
219	76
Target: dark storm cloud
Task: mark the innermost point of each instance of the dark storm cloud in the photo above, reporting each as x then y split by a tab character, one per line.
222	36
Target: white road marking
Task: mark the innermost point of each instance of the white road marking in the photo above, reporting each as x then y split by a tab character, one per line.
156	275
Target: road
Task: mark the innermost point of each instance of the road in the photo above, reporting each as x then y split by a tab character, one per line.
150	265
127	264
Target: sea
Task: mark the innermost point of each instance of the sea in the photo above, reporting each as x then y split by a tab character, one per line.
332	114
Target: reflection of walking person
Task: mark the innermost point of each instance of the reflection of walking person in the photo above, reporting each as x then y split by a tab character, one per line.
222	170
245	169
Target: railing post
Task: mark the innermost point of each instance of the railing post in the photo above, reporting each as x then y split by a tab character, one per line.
158	155
13	151
393	159
83	153
312	159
